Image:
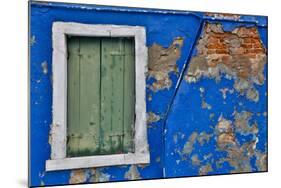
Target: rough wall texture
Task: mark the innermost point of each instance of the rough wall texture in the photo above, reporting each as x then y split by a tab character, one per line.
237	55
223	15
162	62
227	72
206	92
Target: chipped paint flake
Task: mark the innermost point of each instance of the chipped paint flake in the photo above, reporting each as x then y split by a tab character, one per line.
211	116
152	117
32	40
88	175
77	176
162	61
195	160
242	124
205	169
261	161
158	159
132	173
204	138
98	176
223	16
188	146
224	92
225	135
149	97
204	104
44	66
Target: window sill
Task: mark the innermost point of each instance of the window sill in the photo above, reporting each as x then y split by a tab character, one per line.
97	161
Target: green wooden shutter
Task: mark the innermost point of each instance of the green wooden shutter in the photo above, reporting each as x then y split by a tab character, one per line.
101	96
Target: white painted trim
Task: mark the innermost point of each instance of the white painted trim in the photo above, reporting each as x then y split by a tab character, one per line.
96	161
58	159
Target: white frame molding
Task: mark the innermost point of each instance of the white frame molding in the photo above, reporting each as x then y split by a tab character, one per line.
59	160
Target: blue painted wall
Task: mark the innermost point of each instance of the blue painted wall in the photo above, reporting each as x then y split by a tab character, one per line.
178	109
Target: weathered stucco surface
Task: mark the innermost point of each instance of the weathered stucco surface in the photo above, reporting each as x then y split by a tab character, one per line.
223	15
213	121
239	155
162	62
88	175
132	173
237	55
223	97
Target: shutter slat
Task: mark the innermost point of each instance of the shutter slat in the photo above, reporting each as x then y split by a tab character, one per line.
89	95
129	95
106	93
117	73
73	96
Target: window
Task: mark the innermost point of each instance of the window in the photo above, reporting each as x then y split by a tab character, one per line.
99	109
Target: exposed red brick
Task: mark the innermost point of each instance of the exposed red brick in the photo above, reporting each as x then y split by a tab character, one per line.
259	50
247	45
251	55
225	59
213	40
247	40
211	51
222	51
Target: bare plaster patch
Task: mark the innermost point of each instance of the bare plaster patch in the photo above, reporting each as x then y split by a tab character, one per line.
132	173
162	61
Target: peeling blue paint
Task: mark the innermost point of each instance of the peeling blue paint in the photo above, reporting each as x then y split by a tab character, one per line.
179	106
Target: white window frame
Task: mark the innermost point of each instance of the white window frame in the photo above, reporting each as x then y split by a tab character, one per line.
58	134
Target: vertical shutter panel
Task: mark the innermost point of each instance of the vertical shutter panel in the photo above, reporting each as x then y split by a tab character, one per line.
89	95
129	95
106	93
117	100
73	96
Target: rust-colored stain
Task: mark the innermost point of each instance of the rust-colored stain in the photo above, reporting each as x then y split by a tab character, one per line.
161	62
237	55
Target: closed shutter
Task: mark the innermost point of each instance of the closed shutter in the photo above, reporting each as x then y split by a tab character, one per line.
100	96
